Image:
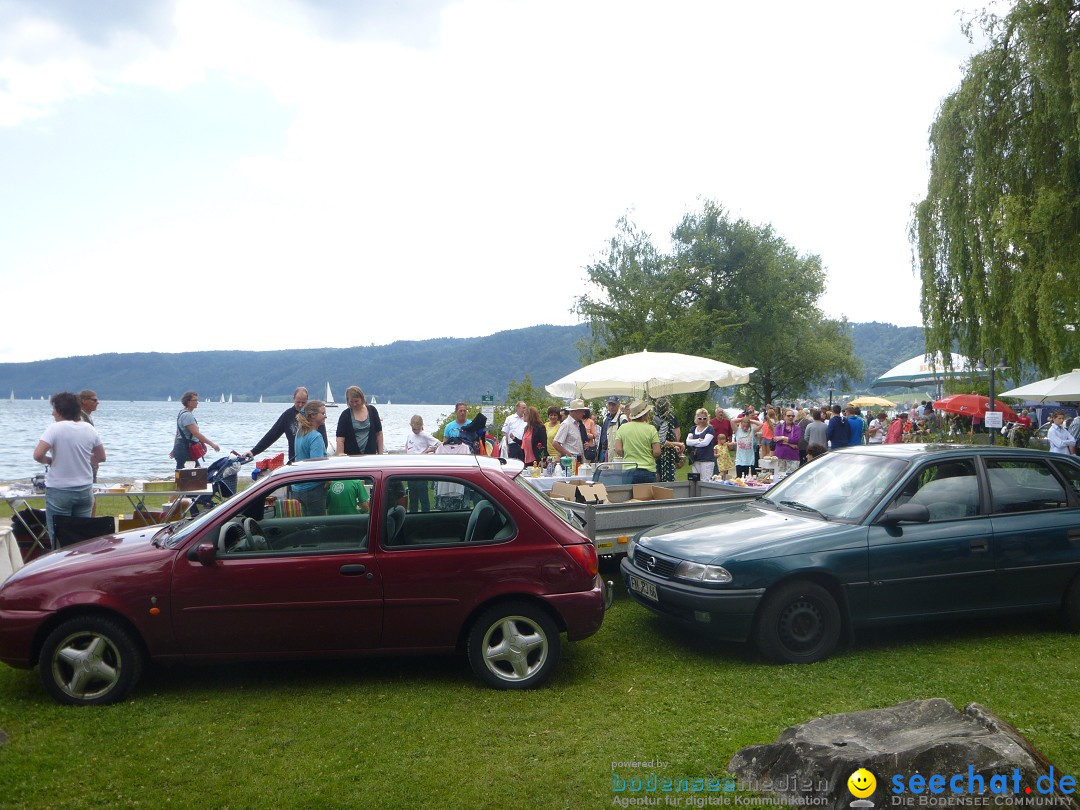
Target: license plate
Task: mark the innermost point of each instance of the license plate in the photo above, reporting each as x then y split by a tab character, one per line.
646	589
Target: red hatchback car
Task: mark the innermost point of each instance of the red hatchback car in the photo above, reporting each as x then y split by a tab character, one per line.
379	555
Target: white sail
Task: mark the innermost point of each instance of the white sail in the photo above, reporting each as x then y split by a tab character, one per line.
260	399
330	397
12	397
221	399
388	403
374	400
230	397
169	399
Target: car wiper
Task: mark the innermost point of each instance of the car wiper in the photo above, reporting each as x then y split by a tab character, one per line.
803	507
161	534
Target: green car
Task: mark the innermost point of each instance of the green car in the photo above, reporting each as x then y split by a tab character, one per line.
868	536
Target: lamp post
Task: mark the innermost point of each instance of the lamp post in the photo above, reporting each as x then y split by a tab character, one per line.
831	386
992	360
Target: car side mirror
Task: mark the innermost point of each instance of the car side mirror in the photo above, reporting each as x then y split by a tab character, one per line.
907	513
206	553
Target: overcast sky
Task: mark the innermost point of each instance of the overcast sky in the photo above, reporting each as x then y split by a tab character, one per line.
268	174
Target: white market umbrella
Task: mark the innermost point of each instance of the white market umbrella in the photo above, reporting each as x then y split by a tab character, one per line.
920	371
1062	388
648	374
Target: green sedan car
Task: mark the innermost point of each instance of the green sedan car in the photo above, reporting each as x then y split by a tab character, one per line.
869	536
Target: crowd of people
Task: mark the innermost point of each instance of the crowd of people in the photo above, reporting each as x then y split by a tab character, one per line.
645	434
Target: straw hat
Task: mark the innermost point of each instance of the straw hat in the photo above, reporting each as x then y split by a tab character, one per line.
639	408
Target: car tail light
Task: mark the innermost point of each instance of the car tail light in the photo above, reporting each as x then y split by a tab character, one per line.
584	554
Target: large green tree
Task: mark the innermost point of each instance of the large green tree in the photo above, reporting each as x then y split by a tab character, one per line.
997	239
729	290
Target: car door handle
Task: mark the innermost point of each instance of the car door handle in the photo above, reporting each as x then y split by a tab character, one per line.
980	545
353	570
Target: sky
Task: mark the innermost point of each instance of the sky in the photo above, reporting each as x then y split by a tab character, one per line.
181	175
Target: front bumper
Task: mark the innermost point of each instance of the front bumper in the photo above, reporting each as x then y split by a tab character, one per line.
726	614
17	631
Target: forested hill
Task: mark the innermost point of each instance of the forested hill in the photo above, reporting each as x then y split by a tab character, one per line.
429	371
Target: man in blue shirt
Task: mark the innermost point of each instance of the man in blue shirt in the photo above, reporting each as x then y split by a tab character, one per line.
855	426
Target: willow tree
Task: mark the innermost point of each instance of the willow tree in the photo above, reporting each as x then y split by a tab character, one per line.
996	239
729	290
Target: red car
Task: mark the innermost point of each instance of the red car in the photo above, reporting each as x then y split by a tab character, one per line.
379	555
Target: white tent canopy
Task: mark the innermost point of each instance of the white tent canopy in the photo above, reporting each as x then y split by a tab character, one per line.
924	370
1062	388
653	374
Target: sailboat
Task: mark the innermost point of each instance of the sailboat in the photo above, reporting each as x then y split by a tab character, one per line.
388	403
222	398
169	399
230	397
330	397
12	397
260	399
374	400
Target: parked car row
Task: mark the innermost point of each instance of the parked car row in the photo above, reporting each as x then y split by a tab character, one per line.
422	554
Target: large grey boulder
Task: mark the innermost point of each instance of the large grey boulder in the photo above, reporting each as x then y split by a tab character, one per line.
809	764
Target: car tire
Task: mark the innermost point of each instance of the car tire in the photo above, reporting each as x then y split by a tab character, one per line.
514	645
799	623
90	660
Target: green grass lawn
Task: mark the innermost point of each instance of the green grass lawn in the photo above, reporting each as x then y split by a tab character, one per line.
423	732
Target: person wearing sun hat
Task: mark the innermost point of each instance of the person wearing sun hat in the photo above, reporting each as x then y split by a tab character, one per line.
571	438
638	441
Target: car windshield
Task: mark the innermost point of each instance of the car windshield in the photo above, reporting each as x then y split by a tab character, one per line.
174	534
839	486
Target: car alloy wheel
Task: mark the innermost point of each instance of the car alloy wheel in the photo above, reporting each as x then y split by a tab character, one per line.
514	645
90	660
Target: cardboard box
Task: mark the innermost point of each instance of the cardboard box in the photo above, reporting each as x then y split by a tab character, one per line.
579	491
651	492
190	479
127	522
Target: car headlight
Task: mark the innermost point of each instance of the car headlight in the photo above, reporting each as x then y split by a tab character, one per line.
696	572
631	547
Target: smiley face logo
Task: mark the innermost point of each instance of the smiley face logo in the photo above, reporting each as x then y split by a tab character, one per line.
861	783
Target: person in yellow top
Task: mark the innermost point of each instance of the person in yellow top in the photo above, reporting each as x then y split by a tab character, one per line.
552	427
638	441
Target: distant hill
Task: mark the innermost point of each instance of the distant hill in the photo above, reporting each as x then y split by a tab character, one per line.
880	346
427	371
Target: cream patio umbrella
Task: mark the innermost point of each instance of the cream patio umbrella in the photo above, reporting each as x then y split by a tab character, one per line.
1062	388
648	374
869	402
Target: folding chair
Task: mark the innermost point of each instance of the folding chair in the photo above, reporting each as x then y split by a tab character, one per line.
71	530
31	532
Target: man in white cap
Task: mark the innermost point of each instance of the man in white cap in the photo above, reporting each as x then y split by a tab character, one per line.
571	438
614	420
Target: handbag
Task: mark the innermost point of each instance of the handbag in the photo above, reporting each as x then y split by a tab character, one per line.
196	450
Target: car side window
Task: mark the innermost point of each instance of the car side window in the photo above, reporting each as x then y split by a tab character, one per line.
430	511
1024	486
317	516
1070	473
948	489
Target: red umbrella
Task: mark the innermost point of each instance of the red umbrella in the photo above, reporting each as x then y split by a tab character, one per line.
973	405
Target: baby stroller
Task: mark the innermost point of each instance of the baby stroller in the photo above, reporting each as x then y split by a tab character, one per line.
221	476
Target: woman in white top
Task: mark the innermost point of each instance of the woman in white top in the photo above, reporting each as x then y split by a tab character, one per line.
72	449
875	431
1061	441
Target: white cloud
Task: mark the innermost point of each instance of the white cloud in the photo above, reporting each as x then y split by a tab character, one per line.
459	187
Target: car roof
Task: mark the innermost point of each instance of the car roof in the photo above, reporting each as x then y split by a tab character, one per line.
915	450
357	465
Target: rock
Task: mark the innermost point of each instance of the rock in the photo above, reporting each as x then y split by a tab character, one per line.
809	764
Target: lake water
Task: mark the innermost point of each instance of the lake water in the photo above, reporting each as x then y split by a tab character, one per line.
138	435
